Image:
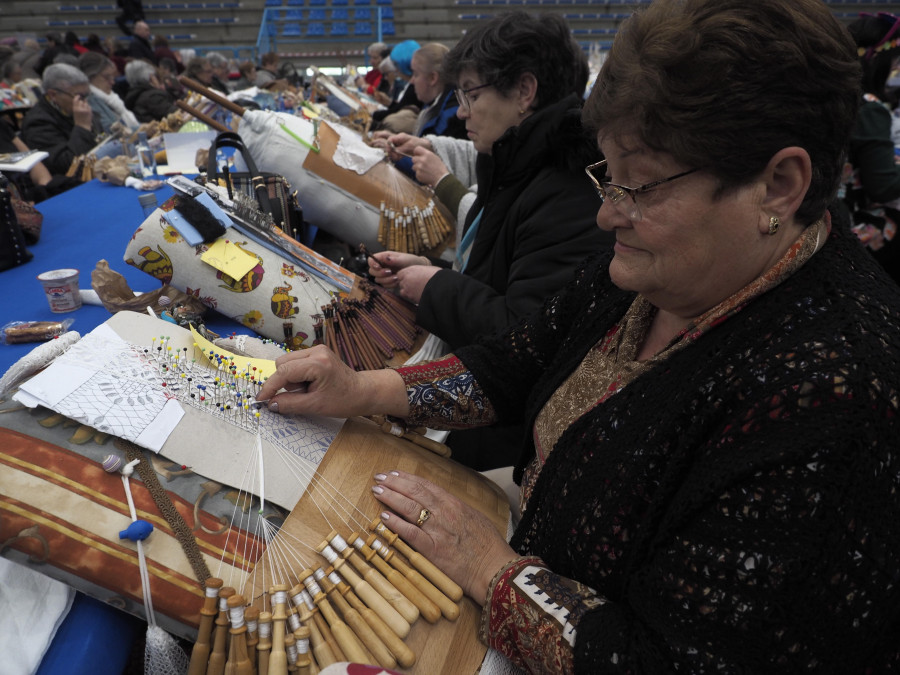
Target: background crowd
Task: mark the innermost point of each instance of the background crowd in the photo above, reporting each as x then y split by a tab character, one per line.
679	343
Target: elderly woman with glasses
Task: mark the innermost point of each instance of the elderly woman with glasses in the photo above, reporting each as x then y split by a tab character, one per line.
106	104
519	79
711	474
62	122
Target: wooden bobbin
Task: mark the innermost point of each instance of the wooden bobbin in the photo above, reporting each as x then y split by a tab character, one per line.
202	647
427	608
323	649
449	609
362	630
364	590
397	600
350	646
264	646
304	662
404	655
238	662
251	616
290	647
219	656
278	655
448	587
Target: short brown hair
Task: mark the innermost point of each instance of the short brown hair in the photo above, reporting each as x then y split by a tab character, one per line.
725	84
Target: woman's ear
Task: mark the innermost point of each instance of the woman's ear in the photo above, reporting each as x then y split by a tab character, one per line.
787	177
528	86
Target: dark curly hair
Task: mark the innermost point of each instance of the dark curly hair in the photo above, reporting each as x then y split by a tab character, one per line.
511	44
725	84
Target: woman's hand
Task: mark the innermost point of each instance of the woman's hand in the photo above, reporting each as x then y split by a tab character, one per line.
384	266
406	272
411	281
460	540
428	167
316	382
407	143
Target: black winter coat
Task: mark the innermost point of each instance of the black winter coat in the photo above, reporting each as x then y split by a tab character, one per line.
539	223
46	128
149	103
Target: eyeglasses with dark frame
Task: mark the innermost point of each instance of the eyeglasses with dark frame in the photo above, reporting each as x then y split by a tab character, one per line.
68	93
615	194
462	95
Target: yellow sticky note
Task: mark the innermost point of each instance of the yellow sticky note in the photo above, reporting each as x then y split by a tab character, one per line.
229	259
259	369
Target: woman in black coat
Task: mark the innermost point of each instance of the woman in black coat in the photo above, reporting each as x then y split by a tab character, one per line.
533	219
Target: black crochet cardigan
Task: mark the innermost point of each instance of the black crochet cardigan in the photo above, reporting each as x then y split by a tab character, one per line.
737	505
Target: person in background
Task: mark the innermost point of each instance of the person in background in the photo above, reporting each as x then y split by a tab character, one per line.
247	79
34	185
108	108
10	73
872	175
267	73
219	65
403	106
146	97
711	469
93	43
168	75
74	44
161	50
62	123
132	12
371	82
533	217
438	117
140	46
199	69
29	56
55	47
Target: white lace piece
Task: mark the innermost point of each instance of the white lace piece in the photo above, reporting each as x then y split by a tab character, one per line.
352	154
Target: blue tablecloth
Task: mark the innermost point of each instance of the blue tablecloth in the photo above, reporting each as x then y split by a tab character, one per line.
82	226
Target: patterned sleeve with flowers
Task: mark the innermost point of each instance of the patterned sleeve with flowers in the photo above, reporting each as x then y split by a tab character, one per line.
531	615
443	394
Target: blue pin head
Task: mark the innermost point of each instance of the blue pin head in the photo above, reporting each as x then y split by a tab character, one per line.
137	531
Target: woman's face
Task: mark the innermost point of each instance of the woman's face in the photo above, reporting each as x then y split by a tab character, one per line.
687	253
488	114
425	80
105	80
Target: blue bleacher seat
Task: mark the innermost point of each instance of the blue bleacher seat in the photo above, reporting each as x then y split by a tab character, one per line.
384	2
295	3
387	12
315	29
387	28
293	14
292	30
341	3
273	3
362	28
364	14
317	15
339	28
317	2
339	14
362	2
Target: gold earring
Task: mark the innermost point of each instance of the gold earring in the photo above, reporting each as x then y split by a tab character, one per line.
773	225
521	112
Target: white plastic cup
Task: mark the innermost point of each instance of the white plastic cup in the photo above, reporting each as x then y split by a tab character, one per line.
61	287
